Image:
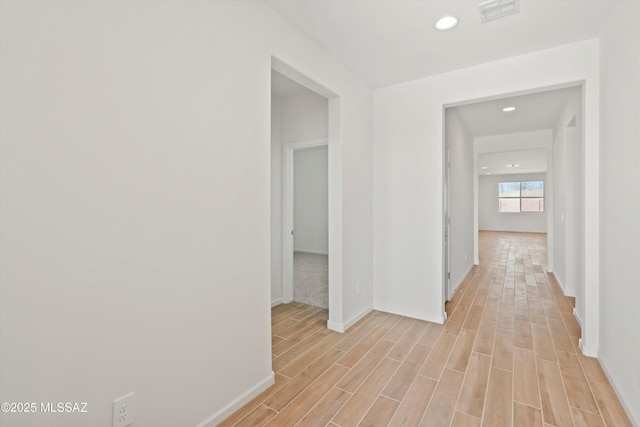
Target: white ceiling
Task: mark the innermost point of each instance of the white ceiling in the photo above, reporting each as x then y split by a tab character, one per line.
529	161
536	111
391	41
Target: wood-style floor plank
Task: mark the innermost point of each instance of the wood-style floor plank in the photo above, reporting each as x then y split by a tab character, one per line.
285	395
459	358
460	419
414	403
503	350
401	380
542	344
525	380
575	383
307	399
474	388
508	355
486	337
610	407
555	407
526	416
380	413
442	406
499	405
363	369
439	355
356	407
587	419
326	408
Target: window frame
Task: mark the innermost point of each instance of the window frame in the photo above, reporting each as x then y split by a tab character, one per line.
520	196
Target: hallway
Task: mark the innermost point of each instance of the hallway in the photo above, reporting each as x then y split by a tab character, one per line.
507	356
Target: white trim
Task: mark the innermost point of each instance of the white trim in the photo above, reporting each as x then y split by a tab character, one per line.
358	316
287	212
334	326
336	304
276	301
238	402
562	287
456	287
577	316
334	142
586	350
311	251
298	77
403	313
591	215
618	394
342	327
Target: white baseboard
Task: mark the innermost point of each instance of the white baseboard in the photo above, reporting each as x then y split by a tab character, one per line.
311	251
577	316
342	327
586	350
562	288
617	392
335	326
438	319
460	282
238	402
349	323
276	301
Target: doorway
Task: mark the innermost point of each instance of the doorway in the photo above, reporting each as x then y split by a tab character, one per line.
508	140
306	201
309	122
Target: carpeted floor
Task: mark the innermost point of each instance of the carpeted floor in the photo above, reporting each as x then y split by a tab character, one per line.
311	279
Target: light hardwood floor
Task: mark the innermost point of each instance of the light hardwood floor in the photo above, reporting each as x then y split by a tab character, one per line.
507	356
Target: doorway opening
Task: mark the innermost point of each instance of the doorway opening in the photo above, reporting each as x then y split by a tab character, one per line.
492	150
306	205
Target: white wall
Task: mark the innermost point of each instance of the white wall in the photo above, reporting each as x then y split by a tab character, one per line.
135	193
304	117
490	219
310	200
460	144
408	126
620	209
567	217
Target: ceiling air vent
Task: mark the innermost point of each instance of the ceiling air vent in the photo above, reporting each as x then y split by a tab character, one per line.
496	9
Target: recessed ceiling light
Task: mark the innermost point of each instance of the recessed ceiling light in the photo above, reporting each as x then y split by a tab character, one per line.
509	166
484	167
488	173
516	165
446	23
508	109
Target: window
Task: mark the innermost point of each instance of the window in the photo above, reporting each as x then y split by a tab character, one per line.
521	196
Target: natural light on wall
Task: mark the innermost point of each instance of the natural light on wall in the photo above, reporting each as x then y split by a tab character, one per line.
521	196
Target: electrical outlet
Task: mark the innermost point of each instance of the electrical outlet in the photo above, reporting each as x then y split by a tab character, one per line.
124	411
465	256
